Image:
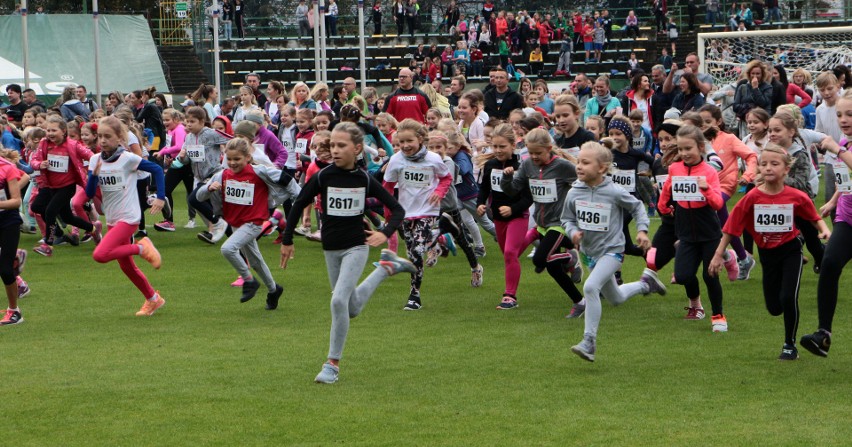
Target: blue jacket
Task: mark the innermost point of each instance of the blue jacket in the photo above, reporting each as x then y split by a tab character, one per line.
72	109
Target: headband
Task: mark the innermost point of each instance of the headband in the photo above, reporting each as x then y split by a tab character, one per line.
670	128
623	127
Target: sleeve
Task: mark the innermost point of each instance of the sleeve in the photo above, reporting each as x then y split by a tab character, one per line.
203	194
713	194
305	198
762	95
178	137
156	172
464	163
799	172
484	186
92	185
794	90
739	215
513	185
635	207
397	212
746	154
569	216
276	152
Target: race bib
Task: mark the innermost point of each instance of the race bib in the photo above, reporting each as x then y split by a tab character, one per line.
593	216
841	176
345	201
685	189
543	191
239	193
572	151
195	152
302	146
417	176
496	178
661	179
168	141
57	163
626	179
773	218
111	181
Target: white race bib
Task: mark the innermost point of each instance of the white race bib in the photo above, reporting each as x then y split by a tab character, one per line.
841	176
572	151
57	163
168	141
543	191
593	216
685	189
496	178
626	179
773	218
661	179
302	146
239	193
195	152
111	181
345	201
417	176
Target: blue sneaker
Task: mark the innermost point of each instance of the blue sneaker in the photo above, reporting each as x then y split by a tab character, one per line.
328	374
395	264
746	266
451	245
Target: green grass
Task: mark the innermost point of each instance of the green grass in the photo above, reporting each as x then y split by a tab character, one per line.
207	370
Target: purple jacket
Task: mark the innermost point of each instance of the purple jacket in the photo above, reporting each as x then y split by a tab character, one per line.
272	146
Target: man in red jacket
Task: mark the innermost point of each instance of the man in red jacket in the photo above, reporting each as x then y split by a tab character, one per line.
407	101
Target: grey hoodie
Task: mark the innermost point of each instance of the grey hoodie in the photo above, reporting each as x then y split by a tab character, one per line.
559	170
617	200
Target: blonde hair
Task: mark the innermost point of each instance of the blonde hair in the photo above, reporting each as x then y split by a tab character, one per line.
502	130
772	147
438	112
241	145
247	89
756	63
598	119
538	138
315	93
389	118
693	133
409	125
808	79
826	79
793	110
438	135
602	154
456	139
116	125
326	135
355	133
173	114
447	125
568	100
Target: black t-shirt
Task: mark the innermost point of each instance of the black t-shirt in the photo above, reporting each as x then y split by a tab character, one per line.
16	112
580	136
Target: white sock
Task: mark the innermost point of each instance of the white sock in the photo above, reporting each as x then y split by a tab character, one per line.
153	298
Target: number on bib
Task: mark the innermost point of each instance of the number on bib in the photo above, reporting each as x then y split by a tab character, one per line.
195	152
626	179
496	178
417	177
773	218
841	176
57	163
239	193
685	189
345	201
302	146
593	216
111	181
543	191
661	179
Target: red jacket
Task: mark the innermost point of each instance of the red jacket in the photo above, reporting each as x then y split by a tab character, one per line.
695	221
78	159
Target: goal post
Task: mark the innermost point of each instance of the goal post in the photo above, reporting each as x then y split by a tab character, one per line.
723	55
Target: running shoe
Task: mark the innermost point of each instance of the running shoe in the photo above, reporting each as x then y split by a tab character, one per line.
394	264
302	230
249	290
140	234
532	253
412	305
507	303
451	244
789	352
476	276
267	229
218	232
151	306
577	310
98	231
272	298
23	287
59	241
11	317
190	224
817	343
206	237
694	313
73	239
585	349
44	250
719	323
150	253
316	236
576	267
164	226
432	255
745	266
20	261
731	266
278	240
28	229
650	278
86	238
238	283
328	374
479	251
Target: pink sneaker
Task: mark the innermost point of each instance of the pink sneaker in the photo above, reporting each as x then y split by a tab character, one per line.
238	283
731	266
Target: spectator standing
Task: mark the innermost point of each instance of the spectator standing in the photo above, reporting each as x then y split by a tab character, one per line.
712	11
407	101
228	18
377	17
501	100
331	18
239	12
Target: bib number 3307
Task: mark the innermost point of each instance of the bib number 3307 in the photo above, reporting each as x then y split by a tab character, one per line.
239	193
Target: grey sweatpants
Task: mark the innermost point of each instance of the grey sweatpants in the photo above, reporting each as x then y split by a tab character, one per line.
601	280
243	241
347	299
471	217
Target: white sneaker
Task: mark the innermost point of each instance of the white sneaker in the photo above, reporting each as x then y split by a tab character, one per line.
219	230
190	224
532	253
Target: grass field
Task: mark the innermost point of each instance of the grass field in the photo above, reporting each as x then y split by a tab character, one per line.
207	370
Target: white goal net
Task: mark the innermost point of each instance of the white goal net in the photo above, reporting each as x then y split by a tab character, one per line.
723	55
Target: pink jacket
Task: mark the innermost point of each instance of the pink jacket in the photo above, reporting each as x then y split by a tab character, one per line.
729	148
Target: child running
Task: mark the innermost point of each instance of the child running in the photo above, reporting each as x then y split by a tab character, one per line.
591	217
12	180
511	215
767	213
344	189
548	179
114	172
243	194
423	181
693	186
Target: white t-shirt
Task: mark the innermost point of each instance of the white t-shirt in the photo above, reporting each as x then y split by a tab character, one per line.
416	180
117	181
131	140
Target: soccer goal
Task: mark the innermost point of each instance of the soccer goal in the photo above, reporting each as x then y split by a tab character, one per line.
724	55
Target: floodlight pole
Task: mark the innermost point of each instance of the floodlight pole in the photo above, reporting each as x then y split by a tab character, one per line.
26	43
217	76
96	21
362	50
317	66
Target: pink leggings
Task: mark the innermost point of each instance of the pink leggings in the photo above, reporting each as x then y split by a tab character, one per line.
511	236
117	244
80	199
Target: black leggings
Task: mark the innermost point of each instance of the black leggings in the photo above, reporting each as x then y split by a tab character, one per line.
57	202
689	256
142	193
458	231
9	238
782	274
837	255
548	256
629	247
663	245
204	208
812	240
174	177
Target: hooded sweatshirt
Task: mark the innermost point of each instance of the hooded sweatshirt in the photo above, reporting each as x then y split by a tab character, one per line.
598	211
548	185
696	220
803	175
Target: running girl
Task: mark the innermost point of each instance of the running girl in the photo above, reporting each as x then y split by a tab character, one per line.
344	189
548	178
423	181
175	175
243	194
511	215
592	205
114	172
693	186
767	213
467	190
12	180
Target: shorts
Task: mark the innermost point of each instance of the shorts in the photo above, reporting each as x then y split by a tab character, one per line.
587	46
598	47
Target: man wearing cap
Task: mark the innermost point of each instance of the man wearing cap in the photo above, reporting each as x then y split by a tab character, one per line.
407	101
17	107
272	146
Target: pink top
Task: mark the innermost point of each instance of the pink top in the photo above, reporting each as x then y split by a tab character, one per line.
729	148
178	135
793	91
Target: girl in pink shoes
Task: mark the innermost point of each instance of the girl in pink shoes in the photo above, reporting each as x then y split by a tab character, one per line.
344	189
511	215
243	194
114	172
12	180
767	213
